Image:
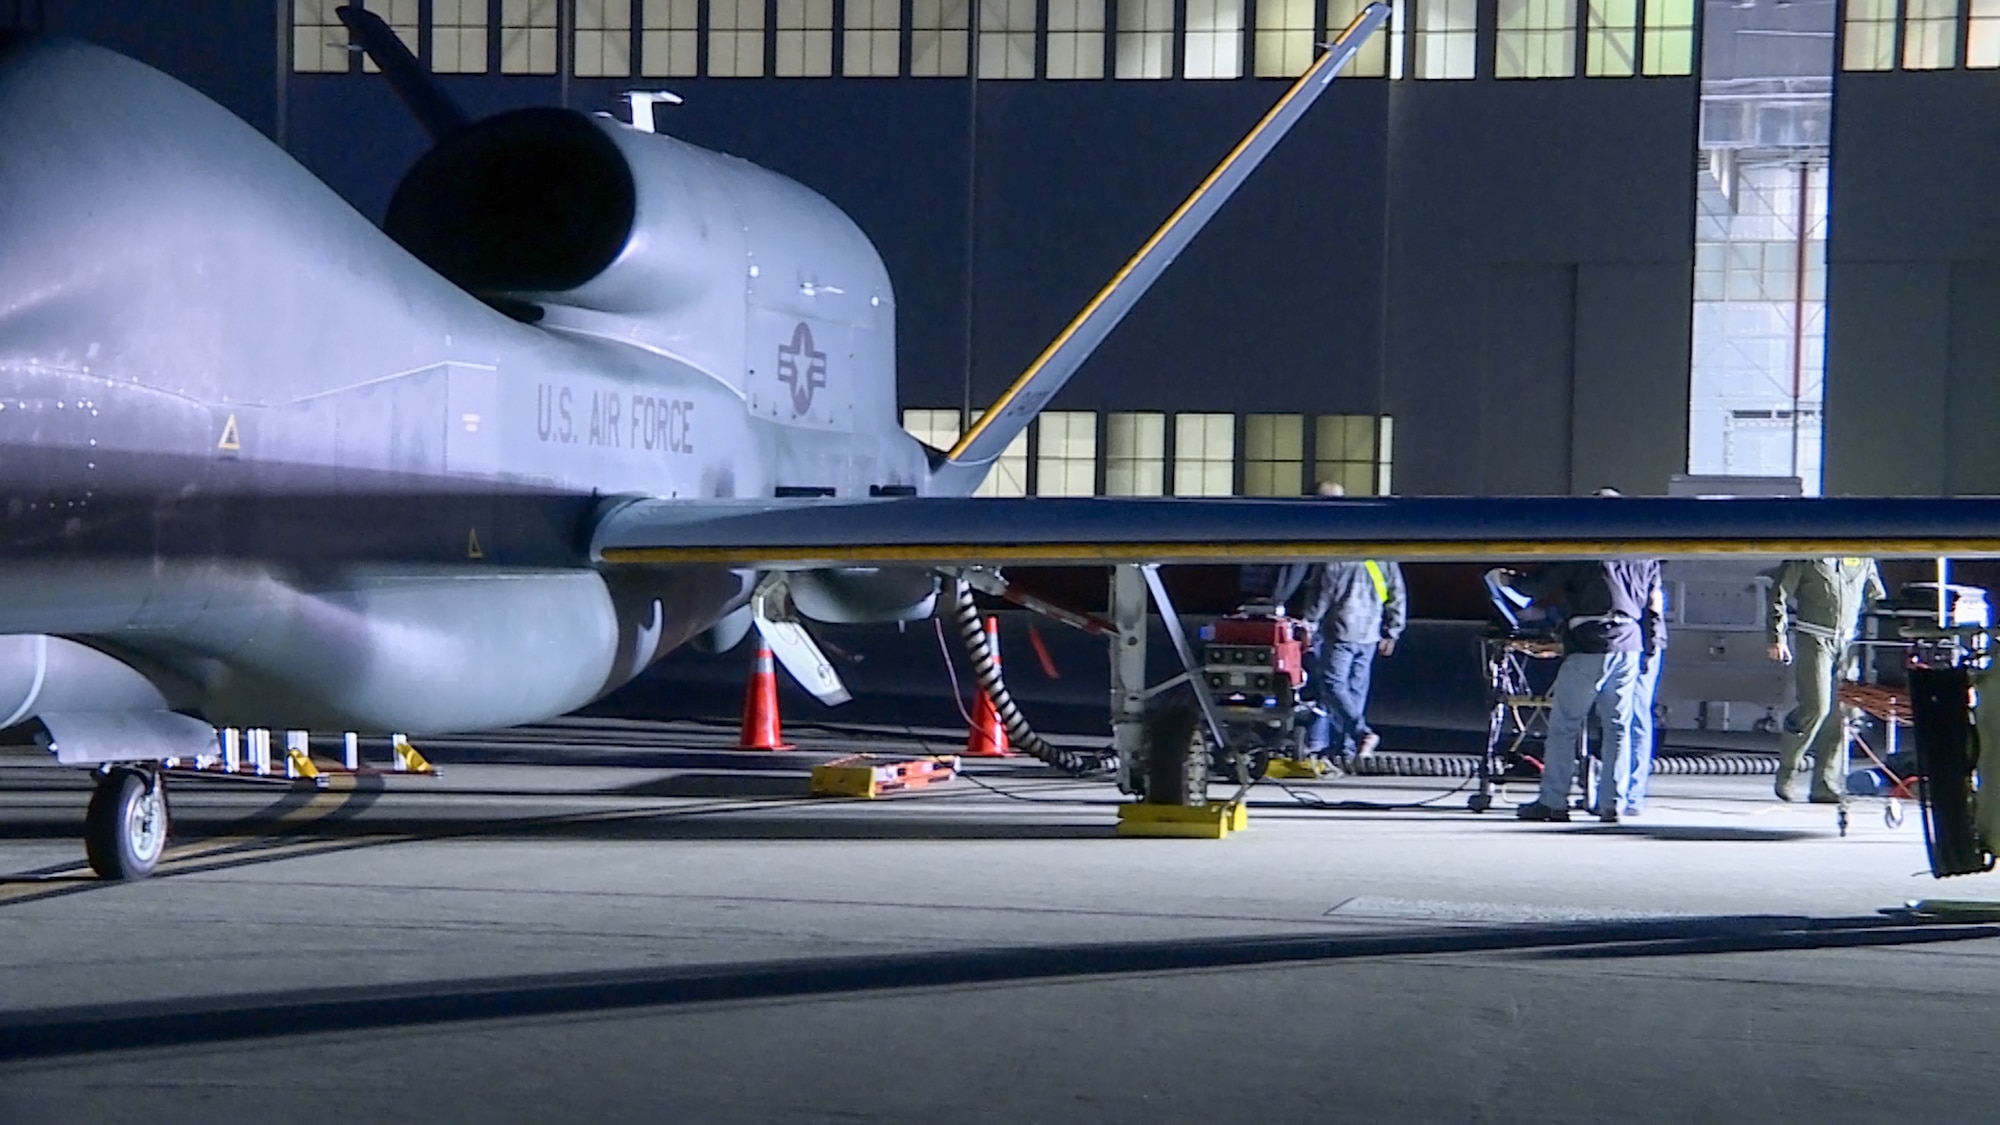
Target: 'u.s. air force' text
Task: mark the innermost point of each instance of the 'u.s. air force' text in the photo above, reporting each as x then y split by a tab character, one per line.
615	419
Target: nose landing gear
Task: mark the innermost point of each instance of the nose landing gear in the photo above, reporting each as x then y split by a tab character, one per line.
125	828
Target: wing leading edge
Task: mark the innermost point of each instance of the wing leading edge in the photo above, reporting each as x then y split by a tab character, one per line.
905	531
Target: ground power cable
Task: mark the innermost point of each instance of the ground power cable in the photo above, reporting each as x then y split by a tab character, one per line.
1315	801
986	672
958	701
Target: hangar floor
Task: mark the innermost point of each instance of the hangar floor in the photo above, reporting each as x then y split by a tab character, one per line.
644	937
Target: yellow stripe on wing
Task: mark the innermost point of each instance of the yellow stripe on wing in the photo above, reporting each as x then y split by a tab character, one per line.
1404	550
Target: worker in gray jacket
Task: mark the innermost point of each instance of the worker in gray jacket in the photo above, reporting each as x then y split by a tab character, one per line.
1358	610
1829	595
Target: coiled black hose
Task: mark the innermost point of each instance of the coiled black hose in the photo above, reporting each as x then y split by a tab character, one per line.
986	672
1467	765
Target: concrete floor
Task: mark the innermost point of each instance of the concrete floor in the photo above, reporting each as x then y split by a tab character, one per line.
648	937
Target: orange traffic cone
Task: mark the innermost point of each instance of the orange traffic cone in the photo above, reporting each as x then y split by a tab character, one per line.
760	706
988	738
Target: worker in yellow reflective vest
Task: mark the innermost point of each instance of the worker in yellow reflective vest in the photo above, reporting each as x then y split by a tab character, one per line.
1358	610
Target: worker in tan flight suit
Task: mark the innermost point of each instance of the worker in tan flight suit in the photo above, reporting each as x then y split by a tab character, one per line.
1830	596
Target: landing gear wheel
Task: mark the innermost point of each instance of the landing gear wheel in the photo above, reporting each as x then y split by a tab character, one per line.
1176	758
1892	813
125	828
1479	802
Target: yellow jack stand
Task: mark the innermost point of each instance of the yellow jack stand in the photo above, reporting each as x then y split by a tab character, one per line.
299	764
408	760
1297	769
1185	822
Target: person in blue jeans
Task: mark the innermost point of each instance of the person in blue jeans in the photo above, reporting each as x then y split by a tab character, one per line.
1615	618
1358	610
1644	691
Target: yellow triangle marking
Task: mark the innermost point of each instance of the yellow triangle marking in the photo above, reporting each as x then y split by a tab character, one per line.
231	439
472	548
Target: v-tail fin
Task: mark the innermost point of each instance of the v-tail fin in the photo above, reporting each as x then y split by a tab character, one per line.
990	436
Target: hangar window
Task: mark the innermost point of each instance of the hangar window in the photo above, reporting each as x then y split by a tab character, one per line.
458	36
1007	38
528	36
1214	39
1284	46
669	38
1535	39
1135	455
1204	454
805	39
603	39
1352	450
1930	34
1076	39
872	44
1009	475
1669	42
935	428
1374	58
1145	38
1066	460
1982	40
938	30
1274	454
319	39
1611	39
736	38
1871	35
1752	270
1447	38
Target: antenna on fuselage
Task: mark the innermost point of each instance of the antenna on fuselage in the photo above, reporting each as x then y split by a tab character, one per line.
642	103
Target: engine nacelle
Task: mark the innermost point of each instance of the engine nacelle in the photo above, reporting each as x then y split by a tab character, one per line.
703	256
864	595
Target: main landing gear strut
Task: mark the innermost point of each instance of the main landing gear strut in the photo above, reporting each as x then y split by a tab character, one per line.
125	828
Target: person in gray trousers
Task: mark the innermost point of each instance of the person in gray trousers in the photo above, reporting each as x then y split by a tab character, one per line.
1830	596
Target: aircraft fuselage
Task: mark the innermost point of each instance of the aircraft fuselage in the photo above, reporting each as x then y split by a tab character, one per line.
255	449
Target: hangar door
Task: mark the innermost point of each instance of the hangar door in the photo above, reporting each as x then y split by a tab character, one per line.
1579	393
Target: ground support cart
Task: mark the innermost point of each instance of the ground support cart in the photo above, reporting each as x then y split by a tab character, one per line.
1891	706
1517	722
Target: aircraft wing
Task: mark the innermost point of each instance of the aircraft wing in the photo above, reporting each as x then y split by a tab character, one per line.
1045	530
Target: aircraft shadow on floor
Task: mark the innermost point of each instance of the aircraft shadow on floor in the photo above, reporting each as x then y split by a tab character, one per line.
95	1029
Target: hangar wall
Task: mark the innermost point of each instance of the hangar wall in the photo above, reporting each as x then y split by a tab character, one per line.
1913	300
1502	266
1541	273
189	39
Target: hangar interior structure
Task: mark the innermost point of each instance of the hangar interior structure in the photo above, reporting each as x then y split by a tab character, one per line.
1525	247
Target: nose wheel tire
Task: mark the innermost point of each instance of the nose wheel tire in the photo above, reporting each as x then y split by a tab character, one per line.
1176	758
125	828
